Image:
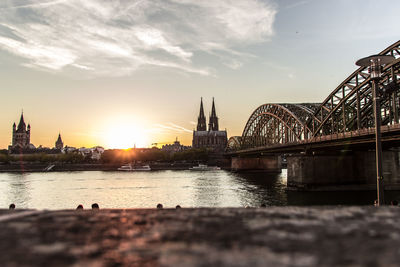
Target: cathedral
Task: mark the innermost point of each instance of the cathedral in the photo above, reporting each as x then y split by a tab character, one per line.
21	135
213	138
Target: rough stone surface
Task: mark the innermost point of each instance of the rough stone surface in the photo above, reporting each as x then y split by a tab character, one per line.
265	163
344	168
272	236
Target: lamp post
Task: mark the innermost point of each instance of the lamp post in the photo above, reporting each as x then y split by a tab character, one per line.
375	64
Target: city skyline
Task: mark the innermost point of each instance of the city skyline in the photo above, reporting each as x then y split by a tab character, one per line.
106	69
117	143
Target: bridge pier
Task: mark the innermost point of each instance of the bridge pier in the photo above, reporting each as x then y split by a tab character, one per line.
347	168
270	163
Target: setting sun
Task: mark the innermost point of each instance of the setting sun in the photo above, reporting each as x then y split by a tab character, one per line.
124	134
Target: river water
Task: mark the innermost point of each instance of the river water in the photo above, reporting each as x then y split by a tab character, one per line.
65	190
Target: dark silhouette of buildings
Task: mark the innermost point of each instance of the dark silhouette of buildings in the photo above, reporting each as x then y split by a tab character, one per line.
21	137
213	138
175	147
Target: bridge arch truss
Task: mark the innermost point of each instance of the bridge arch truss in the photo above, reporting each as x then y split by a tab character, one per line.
348	108
277	124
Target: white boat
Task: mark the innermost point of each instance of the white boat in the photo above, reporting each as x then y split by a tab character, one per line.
203	167
133	168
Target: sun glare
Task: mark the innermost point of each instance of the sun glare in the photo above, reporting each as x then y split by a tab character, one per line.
124	135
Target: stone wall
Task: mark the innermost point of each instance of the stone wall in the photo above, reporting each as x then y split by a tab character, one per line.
341	169
264	163
272	236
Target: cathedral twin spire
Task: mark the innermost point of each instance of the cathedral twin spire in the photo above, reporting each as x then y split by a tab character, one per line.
213	121
201	121
213	124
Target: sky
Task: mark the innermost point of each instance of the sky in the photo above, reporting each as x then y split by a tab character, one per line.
120	73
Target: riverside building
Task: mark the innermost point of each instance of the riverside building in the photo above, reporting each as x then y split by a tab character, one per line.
175	147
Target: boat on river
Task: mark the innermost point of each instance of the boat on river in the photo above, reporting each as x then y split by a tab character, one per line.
204	167
133	168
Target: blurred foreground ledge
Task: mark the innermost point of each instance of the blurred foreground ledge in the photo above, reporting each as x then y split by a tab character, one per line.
272	236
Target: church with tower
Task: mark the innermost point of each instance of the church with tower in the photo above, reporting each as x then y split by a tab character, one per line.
21	140
211	138
21	135
59	143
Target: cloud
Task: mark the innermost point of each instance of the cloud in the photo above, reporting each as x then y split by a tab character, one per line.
116	37
233	64
181	128
276	66
30	4
297	3
171	127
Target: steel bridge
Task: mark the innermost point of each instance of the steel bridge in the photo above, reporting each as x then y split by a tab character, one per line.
344	118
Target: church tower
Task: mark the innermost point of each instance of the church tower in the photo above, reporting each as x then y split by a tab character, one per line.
201	120
59	142
21	135
213	123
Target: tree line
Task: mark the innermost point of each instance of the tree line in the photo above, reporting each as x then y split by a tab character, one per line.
110	156
154	154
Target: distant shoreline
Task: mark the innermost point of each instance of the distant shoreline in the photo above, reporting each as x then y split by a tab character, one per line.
41	167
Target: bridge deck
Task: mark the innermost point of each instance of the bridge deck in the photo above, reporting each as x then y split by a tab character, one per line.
363	137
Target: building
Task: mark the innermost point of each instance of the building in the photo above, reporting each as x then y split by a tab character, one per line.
175	147
59	142
213	138
21	136
97	151
92	153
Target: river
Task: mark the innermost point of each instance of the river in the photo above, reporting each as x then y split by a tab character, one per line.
65	190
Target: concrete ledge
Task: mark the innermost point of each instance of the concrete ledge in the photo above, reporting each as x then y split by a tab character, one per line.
273	236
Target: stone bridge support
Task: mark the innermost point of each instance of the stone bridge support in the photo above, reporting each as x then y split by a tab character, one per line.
355	168
270	163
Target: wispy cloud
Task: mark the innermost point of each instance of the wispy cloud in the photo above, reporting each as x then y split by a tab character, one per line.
276	66
116	37
181	128
297	3
96	134
171	127
290	72
26	4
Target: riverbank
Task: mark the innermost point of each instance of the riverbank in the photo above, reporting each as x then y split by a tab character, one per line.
273	236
